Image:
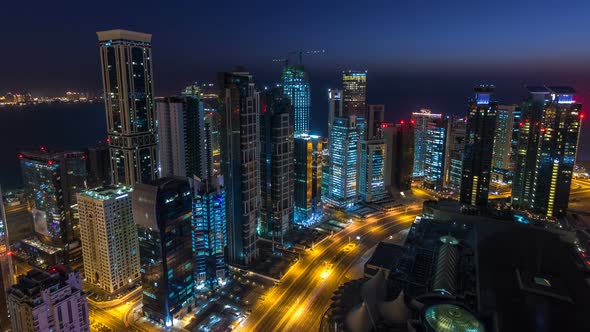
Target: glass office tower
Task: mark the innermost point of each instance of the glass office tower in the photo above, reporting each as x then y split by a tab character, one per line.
421	120
504	142
344	155
354	93
296	87
454	147
51	182
126	59
240	152
434	158
479	144
210	236
276	165
547	146
308	179
162	211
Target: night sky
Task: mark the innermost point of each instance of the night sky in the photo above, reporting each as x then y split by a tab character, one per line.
418	53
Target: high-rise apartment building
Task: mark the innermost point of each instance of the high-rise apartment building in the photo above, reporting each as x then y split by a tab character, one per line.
296	87
109	237
308	178
344	156
373	157
162	211
181	131
126	59
507	120
210	231
547	146
240	153
51	182
399	168
421	120
276	165
50	300
354	93
6	269
479	143
434	157
454	148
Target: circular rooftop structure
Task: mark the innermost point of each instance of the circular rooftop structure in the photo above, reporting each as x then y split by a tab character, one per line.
449	239
451	318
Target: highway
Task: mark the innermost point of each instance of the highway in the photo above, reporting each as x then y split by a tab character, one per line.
305	292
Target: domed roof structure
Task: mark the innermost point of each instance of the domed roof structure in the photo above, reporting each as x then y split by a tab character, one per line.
451	318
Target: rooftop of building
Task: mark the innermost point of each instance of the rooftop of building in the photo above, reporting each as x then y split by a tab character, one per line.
45	155
561	90
120	34
107	192
31	284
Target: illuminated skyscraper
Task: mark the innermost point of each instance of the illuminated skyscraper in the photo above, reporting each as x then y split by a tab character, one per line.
109	237
547	146
276	165
6	270
354	93
162	211
421	120
126	59
240	153
507	121
180	134
344	155
308	178
335	107
399	165
479	143
373	157
454	148
51	181
434	157
296	87
210	235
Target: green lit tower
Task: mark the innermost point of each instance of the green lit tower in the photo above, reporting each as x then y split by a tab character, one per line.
296	87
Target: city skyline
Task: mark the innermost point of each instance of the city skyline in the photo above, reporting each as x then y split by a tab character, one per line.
388	174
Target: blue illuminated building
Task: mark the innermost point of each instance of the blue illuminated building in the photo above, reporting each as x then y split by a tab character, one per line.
162	212
209	237
373	156
344	140
434	159
421	120
296	87
547	146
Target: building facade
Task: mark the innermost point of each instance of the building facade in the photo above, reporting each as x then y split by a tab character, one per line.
181	131
296	87
421	120
276	165
50	300
162	211
547	146
98	165
240	153
479	143
335	107
126	59
454	148
51	182
354	93
308	179
434	158
109	237
210	231
373	157
6	269
399	168
344	156
507	120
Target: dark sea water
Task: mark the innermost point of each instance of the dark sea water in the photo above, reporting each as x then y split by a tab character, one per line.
59	126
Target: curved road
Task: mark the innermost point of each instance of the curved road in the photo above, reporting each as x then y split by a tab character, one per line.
305	292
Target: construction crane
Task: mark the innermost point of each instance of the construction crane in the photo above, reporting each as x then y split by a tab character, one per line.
298	53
